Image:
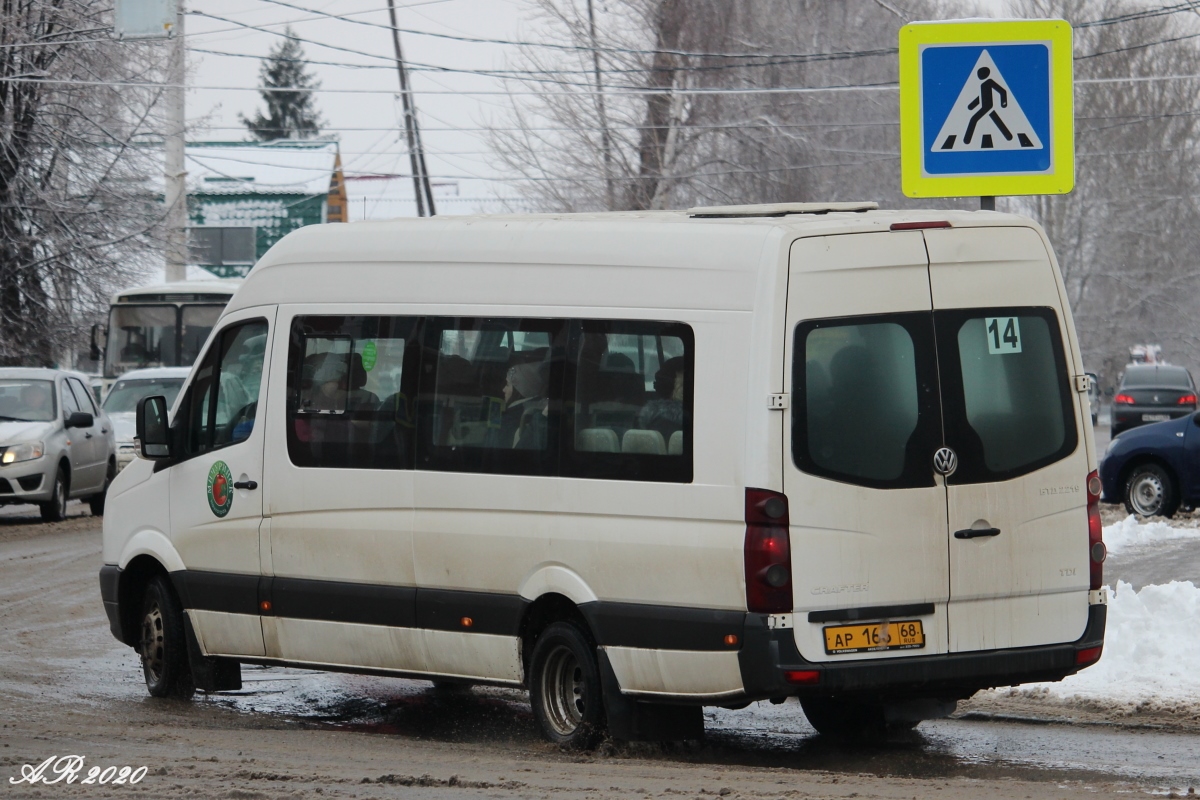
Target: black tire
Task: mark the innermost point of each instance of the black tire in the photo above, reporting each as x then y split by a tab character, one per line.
564	687
55	509
162	643
850	720
1150	491
96	501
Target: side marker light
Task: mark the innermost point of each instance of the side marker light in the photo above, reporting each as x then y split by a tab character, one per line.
731	639
467	622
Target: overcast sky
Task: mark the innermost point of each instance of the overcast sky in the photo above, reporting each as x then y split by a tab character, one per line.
368	124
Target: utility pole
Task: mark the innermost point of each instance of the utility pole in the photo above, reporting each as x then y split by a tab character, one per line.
416	155
605	140
174	171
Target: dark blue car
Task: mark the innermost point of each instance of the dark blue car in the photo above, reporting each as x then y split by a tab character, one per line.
1154	469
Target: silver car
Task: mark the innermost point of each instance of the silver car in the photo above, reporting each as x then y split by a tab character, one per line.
54	443
122	400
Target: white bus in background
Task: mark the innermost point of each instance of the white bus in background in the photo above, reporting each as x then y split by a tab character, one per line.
163	325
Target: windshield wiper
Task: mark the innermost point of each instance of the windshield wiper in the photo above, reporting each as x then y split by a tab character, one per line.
15	419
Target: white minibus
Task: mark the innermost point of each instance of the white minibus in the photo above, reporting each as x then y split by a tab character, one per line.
636	463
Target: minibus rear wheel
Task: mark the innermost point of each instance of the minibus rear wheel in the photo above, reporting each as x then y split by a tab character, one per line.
850	720
162	643
564	687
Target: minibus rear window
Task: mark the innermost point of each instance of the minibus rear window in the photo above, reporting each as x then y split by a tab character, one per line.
865	392
1007	400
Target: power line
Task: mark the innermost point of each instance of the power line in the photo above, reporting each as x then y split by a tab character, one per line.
582	48
625	92
1136	16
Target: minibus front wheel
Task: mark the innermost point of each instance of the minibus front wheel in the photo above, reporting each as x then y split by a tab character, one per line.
162	642
564	687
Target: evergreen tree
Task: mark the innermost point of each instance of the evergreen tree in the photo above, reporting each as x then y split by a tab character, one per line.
290	114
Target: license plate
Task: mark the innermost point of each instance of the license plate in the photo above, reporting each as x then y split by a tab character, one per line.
1155	417
872	637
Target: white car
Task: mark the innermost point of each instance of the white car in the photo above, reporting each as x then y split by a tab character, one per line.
54	443
121	402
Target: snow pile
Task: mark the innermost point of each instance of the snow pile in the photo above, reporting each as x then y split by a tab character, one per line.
1151	649
1130	533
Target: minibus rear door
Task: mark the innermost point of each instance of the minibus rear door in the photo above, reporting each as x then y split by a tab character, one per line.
867	511
1017	502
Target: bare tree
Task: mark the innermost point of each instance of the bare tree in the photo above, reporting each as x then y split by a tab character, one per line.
78	215
612	126
709	122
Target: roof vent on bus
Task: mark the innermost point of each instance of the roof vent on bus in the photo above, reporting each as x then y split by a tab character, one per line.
778	209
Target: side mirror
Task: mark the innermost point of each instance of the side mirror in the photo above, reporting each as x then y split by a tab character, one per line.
153	435
80	419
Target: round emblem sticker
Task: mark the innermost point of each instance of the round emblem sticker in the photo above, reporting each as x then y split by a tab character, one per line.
220	489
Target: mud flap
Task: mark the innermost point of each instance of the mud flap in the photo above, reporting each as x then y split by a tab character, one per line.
210	674
633	720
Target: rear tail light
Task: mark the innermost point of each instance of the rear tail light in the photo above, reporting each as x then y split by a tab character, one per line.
1097	552
1187	400
1123	398
768	553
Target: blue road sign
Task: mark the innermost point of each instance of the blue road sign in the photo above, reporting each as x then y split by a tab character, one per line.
986	108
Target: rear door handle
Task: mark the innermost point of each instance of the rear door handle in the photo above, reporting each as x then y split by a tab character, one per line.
969	533
252	485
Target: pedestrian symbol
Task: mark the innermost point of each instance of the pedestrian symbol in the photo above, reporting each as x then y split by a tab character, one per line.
986	115
986	108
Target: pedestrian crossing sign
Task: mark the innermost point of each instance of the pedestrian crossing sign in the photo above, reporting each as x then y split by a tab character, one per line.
986	108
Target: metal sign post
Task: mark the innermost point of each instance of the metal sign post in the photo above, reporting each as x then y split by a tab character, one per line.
986	109
163	19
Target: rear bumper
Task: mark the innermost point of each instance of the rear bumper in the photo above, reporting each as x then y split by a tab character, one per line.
1131	416
767	655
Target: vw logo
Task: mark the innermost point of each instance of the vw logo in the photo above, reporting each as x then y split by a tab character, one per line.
945	461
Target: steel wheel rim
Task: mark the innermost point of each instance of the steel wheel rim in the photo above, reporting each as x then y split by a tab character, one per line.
152	643
1146	494
563	691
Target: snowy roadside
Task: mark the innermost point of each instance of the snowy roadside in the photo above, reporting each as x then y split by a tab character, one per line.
1148	673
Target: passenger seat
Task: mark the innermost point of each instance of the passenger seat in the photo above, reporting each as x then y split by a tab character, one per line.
598	440
645	441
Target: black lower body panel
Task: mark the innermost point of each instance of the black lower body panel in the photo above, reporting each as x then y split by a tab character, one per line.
767	654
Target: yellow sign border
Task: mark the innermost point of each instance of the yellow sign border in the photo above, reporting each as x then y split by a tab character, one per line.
1060	179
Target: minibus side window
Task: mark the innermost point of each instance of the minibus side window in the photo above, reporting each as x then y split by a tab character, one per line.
349	400
865	397
222	402
491	395
631	401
